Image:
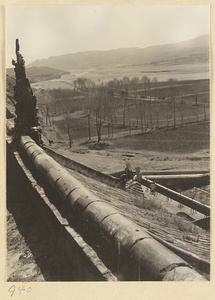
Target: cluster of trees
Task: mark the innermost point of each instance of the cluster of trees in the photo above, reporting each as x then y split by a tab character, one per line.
105	102
132	85
99	103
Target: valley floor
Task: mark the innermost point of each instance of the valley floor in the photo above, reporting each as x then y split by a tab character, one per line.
186	148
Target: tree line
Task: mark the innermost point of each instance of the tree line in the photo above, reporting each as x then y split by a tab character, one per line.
102	102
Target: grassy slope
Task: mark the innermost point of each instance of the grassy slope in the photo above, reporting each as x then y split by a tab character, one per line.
187	139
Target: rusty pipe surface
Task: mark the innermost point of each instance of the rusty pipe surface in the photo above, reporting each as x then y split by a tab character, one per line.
130	240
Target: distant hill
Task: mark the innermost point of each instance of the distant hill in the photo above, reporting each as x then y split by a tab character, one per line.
192	51
37	73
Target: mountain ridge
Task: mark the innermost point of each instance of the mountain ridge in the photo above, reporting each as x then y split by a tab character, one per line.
184	52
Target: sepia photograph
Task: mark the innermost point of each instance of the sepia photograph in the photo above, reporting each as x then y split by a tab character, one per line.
107	143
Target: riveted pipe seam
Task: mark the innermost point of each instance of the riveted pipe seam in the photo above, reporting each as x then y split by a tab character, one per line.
96	211
181	274
153	257
138	240
128	243
34	154
168	269
79	209
108	216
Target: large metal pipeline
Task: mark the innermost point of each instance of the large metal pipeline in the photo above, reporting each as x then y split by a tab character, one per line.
198	206
175	176
130	240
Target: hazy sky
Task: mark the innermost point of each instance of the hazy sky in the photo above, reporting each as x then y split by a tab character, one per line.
52	30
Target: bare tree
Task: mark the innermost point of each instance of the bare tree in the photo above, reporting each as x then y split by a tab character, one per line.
137	111
149	88
141	107
182	118
66	110
111	109
129	119
87	87
157	114
167	118
155	81
196	93
54	112
174	113
172	85
126	82
151	121
46	106
134	85
112	87
124	99
116	84
150	98
204	106
100	107
145	80
89	90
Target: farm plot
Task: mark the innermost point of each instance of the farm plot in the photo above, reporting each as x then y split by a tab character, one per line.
188	139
